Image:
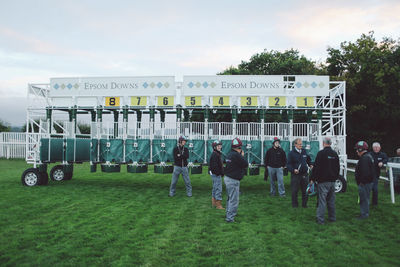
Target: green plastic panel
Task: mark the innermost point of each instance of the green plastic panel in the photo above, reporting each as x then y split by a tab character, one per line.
111	150
253	154
77	150
163	154
196	153
56	148
137	150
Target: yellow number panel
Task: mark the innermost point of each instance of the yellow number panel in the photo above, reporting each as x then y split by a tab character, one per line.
139	101
164	101
304	101
277	101
248	101
192	101
220	101
112	101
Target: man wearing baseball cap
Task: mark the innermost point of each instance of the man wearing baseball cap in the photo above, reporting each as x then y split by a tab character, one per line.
365	173
181	155
275	161
235	169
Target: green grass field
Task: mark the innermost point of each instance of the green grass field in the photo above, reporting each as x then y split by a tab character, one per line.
124	219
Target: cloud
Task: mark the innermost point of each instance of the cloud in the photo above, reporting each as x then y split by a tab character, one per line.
318	26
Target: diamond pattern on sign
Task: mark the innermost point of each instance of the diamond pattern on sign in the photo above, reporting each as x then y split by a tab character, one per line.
198	84
314	84
152	85
298	84
306	84
191	84
69	86
166	85
321	84
76	86
159	85
56	86
205	84
62	86
213	84
145	85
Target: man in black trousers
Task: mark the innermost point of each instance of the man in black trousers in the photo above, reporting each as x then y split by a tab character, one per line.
298	164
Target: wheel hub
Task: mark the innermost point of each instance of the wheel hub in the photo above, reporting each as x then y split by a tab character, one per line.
31	179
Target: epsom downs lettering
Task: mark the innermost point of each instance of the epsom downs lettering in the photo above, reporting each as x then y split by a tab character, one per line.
251	84
112	85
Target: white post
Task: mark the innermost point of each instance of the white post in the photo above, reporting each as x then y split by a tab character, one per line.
391	184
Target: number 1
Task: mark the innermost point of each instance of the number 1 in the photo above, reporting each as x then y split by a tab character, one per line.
305	101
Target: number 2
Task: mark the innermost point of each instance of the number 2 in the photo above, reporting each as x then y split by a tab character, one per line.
277	101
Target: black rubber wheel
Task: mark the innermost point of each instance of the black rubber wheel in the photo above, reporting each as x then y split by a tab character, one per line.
30	177
57	173
340	185
44	178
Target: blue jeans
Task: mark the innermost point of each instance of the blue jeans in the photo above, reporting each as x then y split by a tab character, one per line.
276	174
232	203
175	175
326	197
217	187
364	191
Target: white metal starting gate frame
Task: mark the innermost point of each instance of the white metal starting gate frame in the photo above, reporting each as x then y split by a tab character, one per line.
53	108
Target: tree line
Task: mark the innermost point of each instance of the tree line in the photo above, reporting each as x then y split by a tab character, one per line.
371	70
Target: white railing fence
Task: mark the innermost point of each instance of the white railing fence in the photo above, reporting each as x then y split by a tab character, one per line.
12	145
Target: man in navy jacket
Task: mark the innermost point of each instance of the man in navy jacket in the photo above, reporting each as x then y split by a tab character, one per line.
298	164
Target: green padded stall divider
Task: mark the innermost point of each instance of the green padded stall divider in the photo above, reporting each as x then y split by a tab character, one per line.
163	154
196	153
77	150
253	154
140	168
56	147
137	150
111	150
93	150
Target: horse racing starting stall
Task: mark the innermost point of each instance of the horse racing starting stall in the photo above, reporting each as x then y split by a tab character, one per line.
128	125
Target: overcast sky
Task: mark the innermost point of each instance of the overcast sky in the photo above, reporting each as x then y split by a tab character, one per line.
44	39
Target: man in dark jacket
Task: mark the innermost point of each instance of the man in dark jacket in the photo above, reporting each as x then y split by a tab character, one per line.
325	173
365	173
298	164
216	170
380	158
181	154
235	169
275	160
